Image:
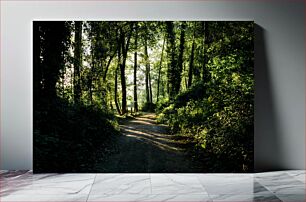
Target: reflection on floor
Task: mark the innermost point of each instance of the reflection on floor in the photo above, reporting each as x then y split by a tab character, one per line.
270	186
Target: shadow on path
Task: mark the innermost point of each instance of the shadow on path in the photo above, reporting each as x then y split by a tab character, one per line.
147	147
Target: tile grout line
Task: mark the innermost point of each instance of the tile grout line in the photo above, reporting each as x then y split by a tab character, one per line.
267	188
209	197
91	187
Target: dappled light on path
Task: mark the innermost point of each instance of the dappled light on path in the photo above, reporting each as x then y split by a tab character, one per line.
147	119
145	129
146	146
163	143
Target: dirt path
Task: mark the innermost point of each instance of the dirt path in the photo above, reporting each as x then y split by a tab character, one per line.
145	146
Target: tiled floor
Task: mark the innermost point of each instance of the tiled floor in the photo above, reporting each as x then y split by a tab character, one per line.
270	186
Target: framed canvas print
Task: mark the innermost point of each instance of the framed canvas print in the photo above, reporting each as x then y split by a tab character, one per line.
143	96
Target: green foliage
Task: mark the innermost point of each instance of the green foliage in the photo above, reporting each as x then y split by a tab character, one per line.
148	107
218	112
67	137
162	103
195	92
223	128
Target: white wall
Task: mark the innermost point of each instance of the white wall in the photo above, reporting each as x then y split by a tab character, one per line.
279	67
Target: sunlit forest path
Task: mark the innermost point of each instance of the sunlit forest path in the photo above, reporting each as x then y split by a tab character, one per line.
146	146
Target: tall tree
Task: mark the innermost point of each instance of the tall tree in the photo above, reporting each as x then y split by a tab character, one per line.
125	36
172	59
205	52
111	57
135	69
160	67
93	62
116	91
180	58
111	47
77	61
191	62
116	71
150	86
147	65
102	38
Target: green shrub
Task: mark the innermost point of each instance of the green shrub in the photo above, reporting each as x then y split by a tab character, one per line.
218	115
148	107
69	138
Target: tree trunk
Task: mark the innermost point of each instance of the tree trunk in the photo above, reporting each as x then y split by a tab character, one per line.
206	33
190	73
107	66
92	70
116	92
125	47
147	70
135	70
77	61
150	87
172	63
159	70
180	59
185	79
123	86
116	72
122	74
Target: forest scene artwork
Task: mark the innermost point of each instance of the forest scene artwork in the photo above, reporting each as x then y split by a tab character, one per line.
143	96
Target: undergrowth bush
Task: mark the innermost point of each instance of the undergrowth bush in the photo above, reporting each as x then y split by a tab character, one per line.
218	115
69	138
148	107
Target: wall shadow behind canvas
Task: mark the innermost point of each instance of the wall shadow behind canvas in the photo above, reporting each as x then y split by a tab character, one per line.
266	125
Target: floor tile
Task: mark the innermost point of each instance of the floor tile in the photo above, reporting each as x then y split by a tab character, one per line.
176	184
258	188
291	197
13	181
181	198
43	198
275	175
149	198
245	198
216	184
48	184
114	184
298	175
231	197
282	184
268	197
